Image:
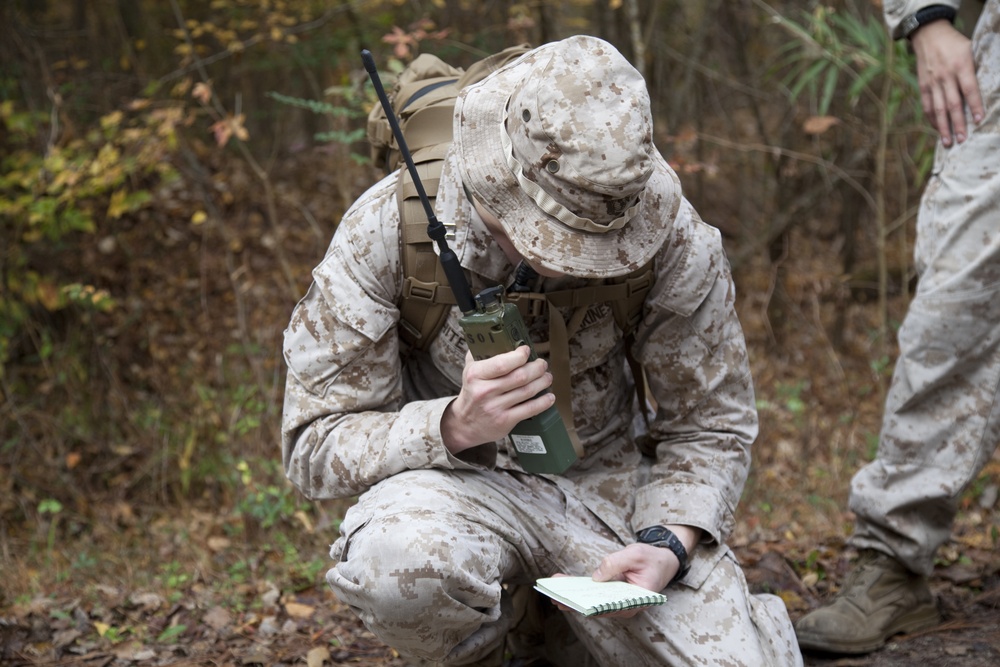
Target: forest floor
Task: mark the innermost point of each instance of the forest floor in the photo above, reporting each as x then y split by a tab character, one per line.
134	581
214	618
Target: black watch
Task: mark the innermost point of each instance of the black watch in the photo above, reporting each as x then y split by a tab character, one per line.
929	14
660	536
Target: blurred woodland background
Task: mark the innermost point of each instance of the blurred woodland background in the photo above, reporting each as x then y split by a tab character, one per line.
171	171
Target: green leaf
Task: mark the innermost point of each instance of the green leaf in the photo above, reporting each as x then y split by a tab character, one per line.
860	83
808	78
340	137
829	88
50	506
171	633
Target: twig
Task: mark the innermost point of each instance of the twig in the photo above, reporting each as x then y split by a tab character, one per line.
831	350
795	155
309	217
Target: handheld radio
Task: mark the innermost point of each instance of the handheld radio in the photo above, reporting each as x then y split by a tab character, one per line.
490	325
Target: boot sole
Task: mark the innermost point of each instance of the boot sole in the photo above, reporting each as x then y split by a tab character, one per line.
919	619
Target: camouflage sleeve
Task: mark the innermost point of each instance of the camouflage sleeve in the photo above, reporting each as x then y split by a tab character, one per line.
692	345
895	11
345	425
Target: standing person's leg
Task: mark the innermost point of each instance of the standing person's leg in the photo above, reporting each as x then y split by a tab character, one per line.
942	416
942	420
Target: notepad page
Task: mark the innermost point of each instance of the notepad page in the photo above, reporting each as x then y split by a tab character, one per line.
601	596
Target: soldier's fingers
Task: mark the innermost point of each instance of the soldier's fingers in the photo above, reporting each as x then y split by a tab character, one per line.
529	408
939	117
969	84
520	392
502	364
955	109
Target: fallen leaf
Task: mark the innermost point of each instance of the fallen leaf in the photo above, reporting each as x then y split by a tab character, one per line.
317	656
819	124
299	610
218	543
148	602
217	618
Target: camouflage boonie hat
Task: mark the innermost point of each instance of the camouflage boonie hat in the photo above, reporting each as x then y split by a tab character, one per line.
559	146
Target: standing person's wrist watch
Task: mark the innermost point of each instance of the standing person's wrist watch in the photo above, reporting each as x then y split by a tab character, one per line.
923	16
660	536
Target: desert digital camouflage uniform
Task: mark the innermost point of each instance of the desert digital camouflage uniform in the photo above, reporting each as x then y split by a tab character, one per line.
942	416
431	552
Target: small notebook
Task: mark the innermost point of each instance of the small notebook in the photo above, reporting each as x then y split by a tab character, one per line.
592	598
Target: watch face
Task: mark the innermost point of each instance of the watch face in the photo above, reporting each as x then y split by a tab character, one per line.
653	534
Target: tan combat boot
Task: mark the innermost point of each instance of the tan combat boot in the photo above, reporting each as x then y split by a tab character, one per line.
879	599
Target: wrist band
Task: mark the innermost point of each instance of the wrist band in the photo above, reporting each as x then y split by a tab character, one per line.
928	14
660	536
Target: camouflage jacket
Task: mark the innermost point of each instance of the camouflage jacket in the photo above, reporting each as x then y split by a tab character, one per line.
355	413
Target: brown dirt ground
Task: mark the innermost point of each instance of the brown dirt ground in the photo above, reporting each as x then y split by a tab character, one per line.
258	624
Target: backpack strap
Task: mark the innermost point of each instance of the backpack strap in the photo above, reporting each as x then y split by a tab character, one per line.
626	295
628	313
426	298
424	99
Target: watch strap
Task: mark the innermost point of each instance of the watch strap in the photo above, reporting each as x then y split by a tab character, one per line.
661	536
924	16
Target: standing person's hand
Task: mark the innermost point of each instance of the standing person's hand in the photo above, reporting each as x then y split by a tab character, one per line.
947	75
496	394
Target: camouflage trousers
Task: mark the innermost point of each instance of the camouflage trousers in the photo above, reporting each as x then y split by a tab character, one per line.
942	415
430	561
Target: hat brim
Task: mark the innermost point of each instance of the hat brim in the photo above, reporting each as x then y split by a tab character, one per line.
480	113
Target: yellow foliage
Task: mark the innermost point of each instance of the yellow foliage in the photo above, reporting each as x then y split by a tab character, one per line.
181	88
117	206
112	120
49	296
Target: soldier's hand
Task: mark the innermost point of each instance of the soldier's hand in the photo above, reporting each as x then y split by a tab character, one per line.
640	564
496	394
947	75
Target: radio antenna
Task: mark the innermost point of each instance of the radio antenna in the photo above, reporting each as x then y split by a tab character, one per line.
435	229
